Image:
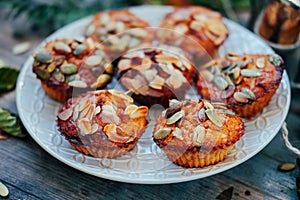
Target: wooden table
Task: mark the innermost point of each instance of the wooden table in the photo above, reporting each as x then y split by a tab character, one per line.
31	173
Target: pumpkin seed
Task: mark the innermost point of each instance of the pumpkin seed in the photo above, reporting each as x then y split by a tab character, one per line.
66	114
201	115
4	192
175	117
68	68
162	133
240	97
72	78
101	81
207	75
109	68
286	167
90	30
21	48
249	93
229	80
99	52
58	76
220	82
208	105
177	132
95	128
78	83
236	72
225	111
173	102
275	60
215	118
260	63
43	57
43	74
60	46
198	135
97	110
51	67
104	19
232	56
80	49
93	60
138	32
251	72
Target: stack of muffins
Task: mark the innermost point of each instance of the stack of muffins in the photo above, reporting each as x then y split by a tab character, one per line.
107	123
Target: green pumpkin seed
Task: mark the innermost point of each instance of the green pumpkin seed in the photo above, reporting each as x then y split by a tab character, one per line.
260	63
78	83
4	192
276	60
201	115
60	46
93	60
43	74
101	81
72	78
249	93
175	117
58	76
177	132
80	49
207	75
68	68
225	111
208	105
162	133
215	118
51	67
240	97
220	82
236	72
90	30
43	57
99	52
198	135
251	72
173	102
109	68
286	167
229	80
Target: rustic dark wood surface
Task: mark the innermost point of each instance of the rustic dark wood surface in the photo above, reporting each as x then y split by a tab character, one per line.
31	173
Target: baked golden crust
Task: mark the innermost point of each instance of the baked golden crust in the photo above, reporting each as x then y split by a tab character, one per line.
196	134
118	31
66	64
197	30
155	74
280	23
246	83
102	123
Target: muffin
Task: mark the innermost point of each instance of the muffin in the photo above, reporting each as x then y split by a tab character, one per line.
197	133
102	123
69	66
246	83
197	30
155	74
118	31
280	23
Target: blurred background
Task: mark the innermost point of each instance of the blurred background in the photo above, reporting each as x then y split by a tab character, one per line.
42	17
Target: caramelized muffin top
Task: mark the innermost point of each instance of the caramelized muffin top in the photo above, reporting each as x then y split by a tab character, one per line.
68	63
191	125
239	79
153	71
110	114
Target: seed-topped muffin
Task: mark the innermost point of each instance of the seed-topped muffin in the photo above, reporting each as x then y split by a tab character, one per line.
197	30
65	66
155	74
118	31
246	83
197	133
102	123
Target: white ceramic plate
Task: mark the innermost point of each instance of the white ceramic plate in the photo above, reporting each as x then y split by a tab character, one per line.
146	163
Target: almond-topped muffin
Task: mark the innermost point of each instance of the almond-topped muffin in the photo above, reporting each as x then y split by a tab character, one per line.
197	133
197	30
65	66
118	31
102	123
246	83
155	74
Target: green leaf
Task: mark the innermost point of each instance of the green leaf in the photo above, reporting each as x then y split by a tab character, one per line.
8	79
10	124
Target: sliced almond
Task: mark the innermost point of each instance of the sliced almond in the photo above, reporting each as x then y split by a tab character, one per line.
124	64
157	83
139	32
84	126
198	135
141	111
66	114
